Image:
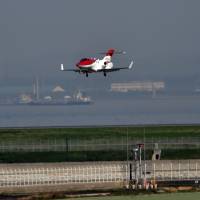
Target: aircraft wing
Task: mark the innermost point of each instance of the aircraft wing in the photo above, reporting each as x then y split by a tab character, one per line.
71	70
117	68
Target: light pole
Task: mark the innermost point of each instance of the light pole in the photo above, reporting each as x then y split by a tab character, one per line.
140	146
135	150
127	152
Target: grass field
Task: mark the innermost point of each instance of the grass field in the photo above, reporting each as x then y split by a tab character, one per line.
171	196
98	132
34	157
35	134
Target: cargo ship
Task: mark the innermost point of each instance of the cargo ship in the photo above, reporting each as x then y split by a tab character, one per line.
78	98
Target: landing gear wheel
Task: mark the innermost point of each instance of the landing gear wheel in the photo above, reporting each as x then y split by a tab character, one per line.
104	74
86	74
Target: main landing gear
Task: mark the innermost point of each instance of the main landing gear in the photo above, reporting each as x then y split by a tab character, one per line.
86	74
105	74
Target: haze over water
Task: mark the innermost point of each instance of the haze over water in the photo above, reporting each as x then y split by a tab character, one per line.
136	111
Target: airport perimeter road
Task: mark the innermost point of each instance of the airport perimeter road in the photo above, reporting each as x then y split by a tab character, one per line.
76	176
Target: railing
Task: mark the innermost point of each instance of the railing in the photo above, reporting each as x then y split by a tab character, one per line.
61	174
173	170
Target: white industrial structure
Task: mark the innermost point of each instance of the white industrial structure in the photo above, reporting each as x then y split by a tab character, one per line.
138	86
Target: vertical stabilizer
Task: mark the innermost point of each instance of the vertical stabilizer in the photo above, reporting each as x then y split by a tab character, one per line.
108	56
110	52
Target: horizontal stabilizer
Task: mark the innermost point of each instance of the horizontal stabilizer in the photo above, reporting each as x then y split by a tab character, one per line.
112	51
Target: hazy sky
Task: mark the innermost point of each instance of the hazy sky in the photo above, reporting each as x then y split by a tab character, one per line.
36	36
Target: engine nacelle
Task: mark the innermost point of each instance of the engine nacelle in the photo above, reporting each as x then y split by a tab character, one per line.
109	65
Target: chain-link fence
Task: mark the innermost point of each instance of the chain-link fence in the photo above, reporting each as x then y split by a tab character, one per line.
101	144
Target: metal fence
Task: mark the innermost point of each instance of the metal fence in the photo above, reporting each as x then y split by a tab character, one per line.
100	144
46	175
62	175
172	170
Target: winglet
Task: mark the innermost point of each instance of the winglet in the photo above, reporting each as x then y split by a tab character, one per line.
131	65
62	67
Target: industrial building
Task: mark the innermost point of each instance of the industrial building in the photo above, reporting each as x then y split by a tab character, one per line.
138	86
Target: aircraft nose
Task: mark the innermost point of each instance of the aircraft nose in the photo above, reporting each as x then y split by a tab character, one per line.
77	64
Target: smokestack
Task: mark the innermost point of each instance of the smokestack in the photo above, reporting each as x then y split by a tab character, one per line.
37	94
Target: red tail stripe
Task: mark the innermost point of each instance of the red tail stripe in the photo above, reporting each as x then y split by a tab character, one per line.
110	52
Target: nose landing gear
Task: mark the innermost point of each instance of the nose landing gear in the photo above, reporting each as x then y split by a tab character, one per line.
105	74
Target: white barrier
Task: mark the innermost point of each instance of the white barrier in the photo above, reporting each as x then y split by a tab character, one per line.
61	175
96	173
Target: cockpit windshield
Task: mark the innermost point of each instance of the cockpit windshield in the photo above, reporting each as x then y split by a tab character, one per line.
83	59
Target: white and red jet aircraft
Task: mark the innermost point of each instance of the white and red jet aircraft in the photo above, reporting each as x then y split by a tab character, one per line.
91	65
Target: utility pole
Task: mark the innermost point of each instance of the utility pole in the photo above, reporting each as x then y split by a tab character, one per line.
135	157
140	146
127	153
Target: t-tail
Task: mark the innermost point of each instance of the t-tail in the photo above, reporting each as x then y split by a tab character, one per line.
107	58
110	52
